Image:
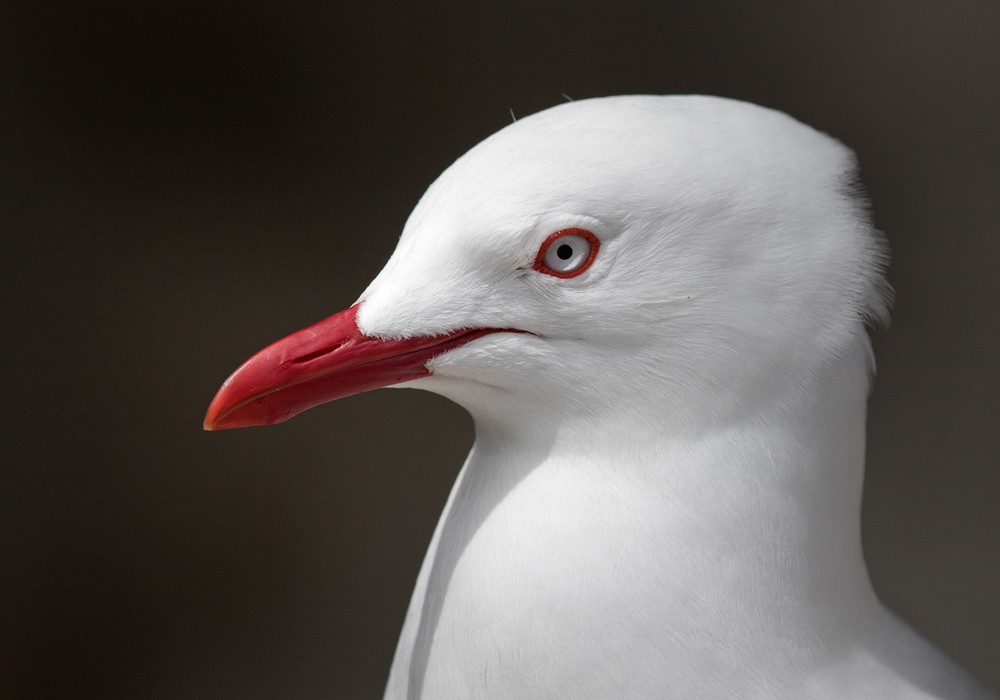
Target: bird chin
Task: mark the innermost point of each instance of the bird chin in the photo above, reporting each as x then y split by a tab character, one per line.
499	367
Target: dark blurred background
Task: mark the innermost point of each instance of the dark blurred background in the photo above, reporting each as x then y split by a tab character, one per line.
184	182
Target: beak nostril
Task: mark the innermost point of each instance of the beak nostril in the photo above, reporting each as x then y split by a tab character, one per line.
302	359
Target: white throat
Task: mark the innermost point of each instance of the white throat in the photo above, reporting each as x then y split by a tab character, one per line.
718	554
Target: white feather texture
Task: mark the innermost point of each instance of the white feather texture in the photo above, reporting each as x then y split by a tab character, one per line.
663	499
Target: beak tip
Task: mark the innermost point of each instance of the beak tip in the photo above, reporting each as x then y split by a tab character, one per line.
225	415
216	423
216	416
211	422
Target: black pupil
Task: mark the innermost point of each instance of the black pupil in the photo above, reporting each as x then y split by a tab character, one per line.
565	251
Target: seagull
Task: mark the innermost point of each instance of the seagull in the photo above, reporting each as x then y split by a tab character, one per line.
655	309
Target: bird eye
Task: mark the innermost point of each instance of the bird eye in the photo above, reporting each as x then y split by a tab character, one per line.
567	253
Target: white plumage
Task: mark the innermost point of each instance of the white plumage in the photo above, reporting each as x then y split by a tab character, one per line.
663	499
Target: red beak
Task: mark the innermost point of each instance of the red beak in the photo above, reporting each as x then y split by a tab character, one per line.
325	361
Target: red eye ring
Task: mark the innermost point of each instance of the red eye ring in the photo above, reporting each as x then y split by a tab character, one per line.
590	238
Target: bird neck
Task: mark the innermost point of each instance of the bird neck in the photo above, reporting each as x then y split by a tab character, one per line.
717	555
763	510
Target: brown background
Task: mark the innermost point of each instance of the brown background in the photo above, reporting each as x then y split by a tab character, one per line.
182	183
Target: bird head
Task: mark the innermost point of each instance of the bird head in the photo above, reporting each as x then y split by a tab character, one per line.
697	251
